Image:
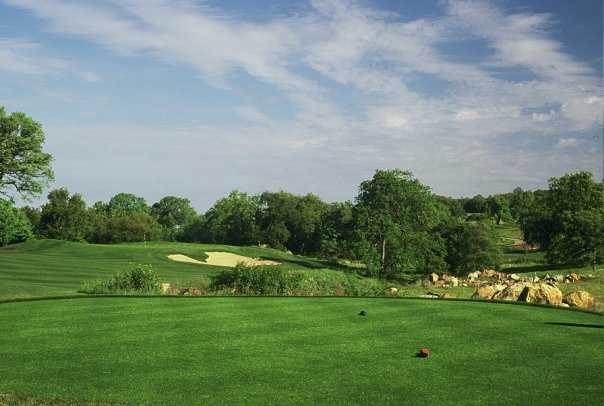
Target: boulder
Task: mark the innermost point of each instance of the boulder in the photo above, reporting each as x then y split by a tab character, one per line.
559	278
510	292
454	281
433	277
392	291
489	273
574	277
164	287
439	284
473	275
580	298
541	293
564	305
445	296
514	277
487	291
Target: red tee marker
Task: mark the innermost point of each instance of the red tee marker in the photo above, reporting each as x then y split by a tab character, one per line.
423	353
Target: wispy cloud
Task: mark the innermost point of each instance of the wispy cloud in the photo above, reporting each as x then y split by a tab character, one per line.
379	58
23	57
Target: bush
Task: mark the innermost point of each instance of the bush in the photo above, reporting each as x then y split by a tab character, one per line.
140	279
272	280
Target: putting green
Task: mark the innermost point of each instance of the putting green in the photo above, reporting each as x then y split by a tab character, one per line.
299	351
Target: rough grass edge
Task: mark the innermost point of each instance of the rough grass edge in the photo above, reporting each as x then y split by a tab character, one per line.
454	299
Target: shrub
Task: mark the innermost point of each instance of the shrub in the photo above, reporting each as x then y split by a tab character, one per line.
139	279
272	280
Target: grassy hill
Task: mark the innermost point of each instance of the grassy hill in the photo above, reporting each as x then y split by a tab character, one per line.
51	267
195	350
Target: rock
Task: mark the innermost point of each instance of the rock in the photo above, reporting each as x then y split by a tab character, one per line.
288	252
580	298
487	291
430	295
564	305
433	277
392	291
445	296
473	275
465	285
454	281
559	278
439	284
489	273
510	292
535	279
514	277
541	293
164	287
574	277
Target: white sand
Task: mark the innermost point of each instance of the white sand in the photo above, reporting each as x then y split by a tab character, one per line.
222	259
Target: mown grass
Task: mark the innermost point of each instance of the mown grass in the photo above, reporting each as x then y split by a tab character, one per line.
165	351
52	268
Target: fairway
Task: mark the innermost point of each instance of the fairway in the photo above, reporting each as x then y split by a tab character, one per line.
299	351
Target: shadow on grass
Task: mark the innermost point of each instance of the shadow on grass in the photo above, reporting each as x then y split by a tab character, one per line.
555	323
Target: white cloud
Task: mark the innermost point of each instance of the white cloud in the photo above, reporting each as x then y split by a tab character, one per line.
251	113
567	143
376	56
23	57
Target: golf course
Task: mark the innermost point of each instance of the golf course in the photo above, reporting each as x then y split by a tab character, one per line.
272	350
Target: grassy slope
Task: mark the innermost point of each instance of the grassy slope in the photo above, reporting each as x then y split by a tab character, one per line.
299	351
50	268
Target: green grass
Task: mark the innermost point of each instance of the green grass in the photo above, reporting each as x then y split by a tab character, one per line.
299	351
51	268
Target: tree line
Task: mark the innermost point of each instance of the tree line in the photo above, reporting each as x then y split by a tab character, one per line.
396	225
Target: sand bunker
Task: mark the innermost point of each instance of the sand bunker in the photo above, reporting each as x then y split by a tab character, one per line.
222	259
184	258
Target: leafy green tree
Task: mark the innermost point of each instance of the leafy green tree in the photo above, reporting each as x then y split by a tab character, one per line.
174	214
566	220
132	227
64	217
395	219
24	166
232	220
33	214
300	216
521	203
336	232
14	225
477	204
498	208
471	246
126	203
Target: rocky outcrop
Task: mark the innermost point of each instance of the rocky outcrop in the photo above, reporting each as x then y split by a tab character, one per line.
541	293
581	299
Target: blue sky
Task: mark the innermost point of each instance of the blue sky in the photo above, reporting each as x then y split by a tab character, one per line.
195	98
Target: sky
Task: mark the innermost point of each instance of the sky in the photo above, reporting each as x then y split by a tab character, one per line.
197	98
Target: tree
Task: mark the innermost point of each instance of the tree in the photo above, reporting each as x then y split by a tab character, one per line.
566	220
294	219
14	225
477	204
126	203
336	231
64	217
498	208
395	217
232	220
24	166
33	214
471	246
521	203
174	214
132	227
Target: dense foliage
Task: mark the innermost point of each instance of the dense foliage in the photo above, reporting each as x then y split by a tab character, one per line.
14	224
24	166
138	279
567	220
